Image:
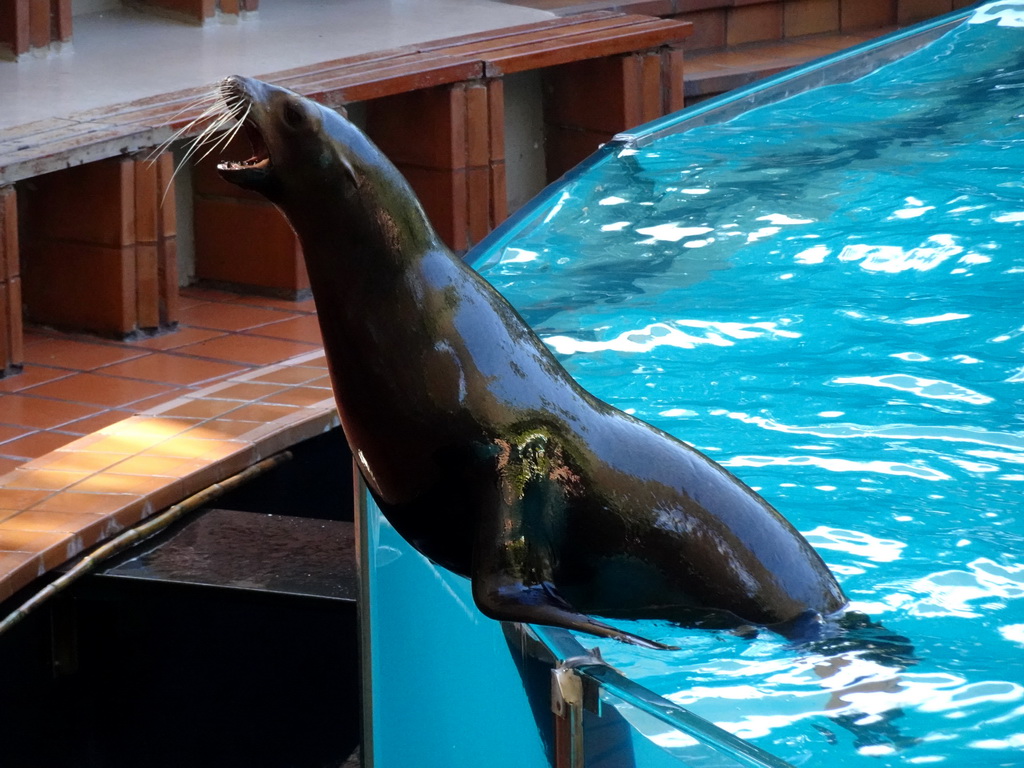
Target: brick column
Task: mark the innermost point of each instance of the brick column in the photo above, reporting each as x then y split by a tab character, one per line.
449	143
588	102
166	243
97	255
200	11
156	252
33	24
496	147
11	349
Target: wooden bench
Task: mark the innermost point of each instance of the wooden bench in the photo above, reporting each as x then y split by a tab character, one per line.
100	225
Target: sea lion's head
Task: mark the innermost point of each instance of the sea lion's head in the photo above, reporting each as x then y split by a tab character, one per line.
307	156
293	139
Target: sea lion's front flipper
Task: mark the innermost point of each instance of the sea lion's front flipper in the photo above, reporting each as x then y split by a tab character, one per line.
513	577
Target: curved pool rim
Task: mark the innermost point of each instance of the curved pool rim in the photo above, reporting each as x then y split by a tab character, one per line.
841	66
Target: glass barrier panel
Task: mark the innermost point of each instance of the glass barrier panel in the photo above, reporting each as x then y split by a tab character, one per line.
651	743
672	729
440	685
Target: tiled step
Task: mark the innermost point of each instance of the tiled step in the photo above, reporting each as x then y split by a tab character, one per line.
709	73
74	385
67	500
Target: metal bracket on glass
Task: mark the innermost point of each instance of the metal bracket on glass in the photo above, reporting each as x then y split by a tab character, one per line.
570	695
580	679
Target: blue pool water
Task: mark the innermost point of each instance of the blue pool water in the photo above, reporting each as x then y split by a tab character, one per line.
824	295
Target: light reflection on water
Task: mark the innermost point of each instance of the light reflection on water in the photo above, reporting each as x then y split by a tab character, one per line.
824	295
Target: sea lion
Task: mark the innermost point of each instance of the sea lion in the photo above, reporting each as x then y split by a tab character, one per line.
479	448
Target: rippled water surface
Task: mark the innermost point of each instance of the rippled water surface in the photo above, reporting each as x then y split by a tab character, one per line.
825	296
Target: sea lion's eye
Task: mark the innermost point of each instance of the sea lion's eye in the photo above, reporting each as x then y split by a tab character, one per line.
293	116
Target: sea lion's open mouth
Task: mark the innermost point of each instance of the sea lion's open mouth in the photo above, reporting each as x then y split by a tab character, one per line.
254	172
260	155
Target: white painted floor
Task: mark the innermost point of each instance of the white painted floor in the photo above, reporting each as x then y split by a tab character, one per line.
120	55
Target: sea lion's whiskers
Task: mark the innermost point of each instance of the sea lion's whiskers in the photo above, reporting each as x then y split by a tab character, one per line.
210	138
219	116
207	136
209	96
228	135
208	113
209	100
235	108
223	119
212	108
230	105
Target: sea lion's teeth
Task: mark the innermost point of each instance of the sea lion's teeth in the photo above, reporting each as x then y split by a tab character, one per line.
237	165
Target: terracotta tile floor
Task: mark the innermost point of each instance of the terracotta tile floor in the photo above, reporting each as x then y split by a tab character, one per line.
97	435
75	385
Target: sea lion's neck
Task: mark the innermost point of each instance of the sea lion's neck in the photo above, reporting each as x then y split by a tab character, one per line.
375	236
366	259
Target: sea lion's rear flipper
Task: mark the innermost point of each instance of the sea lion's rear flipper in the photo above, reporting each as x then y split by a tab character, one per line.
507	599
512	560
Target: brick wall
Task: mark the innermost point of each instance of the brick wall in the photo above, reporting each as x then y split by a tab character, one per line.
98	247
11	353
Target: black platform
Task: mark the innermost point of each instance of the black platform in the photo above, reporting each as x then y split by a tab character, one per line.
228	641
231	549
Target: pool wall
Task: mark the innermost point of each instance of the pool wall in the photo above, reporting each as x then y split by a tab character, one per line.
440	686
445	686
